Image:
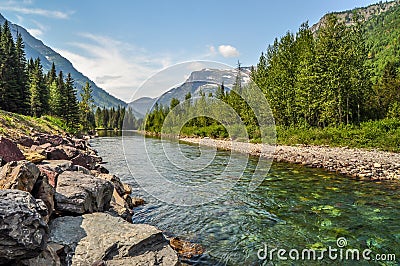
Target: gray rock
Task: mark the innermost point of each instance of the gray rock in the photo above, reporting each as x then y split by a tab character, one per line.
44	191
20	175
23	233
84	160
97	237
58	166
48	257
119	187
79	193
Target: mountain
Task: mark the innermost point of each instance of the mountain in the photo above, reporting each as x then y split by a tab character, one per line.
381	28
365	12
35	48
141	106
202	81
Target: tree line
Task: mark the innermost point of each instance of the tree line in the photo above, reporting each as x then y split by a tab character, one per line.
310	79
323	79
26	89
209	115
119	118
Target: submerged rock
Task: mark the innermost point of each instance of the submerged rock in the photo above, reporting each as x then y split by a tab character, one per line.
23	233
106	240
20	175
79	193
186	249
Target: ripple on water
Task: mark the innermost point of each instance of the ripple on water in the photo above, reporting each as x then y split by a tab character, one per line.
294	207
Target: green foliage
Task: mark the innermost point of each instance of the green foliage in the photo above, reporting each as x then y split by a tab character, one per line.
120	119
86	108
382	39
383	134
316	80
25	89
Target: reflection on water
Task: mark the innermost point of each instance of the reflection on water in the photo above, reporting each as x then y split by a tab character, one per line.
294	207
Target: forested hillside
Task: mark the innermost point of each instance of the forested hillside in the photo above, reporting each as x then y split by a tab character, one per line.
328	81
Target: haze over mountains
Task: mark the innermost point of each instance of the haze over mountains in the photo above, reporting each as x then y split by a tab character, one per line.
203	81
35	48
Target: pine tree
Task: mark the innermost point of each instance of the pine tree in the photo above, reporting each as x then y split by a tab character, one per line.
86	107
71	112
10	92
22	77
38	99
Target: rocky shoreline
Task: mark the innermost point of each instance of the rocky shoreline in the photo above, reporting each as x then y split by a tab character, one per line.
357	163
60	206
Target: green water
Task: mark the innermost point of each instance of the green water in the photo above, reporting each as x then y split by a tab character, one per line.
294	208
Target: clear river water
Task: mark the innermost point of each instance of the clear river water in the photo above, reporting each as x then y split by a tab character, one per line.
294	208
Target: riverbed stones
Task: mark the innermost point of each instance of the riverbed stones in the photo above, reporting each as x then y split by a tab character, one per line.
23	233
101	238
9	151
358	163
185	248
20	175
78	193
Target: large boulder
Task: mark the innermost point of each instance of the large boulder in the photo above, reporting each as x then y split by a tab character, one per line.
56	153
48	257
84	160
9	151
23	233
25	141
79	193
70	151
118	185
20	175
103	239
44	191
54	140
52	168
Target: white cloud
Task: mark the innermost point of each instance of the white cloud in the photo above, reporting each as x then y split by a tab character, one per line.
37	11
37	33
212	50
117	67
228	51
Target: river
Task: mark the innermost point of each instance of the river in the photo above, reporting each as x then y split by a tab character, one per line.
293	208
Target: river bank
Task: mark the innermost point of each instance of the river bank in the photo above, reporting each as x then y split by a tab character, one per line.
59	205
358	163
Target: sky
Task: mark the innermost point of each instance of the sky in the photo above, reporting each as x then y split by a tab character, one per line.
120	44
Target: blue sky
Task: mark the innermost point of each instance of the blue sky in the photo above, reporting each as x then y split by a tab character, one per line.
119	44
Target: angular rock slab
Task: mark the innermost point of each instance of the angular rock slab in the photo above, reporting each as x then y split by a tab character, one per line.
9	151
20	175
23	233
78	193
101	237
